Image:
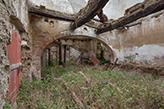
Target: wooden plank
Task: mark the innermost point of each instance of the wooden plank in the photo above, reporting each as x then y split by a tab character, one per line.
157	6
15	66
87	13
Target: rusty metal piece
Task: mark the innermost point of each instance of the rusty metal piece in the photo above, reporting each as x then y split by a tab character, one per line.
114	64
94	60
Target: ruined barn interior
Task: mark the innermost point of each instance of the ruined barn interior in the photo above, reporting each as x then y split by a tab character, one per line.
38	34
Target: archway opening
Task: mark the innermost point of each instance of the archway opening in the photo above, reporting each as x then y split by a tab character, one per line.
75	50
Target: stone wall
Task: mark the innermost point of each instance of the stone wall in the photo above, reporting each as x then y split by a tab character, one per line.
26	56
6	9
21	7
13	15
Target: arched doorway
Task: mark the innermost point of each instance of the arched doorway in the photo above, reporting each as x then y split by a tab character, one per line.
40	46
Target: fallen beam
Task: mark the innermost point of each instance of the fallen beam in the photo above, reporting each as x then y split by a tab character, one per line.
86	79
87	13
77	100
157	6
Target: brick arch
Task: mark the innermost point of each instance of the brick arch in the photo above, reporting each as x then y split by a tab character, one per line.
45	44
37	53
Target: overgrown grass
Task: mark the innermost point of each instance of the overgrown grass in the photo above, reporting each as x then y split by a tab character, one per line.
105	90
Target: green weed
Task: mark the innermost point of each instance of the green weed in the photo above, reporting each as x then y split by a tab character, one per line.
129	58
106	90
7	106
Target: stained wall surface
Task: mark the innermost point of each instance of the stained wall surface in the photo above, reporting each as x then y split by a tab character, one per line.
145	41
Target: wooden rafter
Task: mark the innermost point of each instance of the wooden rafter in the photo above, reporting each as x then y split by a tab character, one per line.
157	6
102	16
87	13
50	14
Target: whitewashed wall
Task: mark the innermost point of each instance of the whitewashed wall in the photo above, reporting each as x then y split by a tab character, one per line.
116	8
67	6
22	12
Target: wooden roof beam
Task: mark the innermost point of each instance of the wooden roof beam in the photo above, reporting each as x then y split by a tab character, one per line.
87	13
50	14
157	6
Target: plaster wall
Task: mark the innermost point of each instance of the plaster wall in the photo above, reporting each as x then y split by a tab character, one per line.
21	9
116	8
66	6
145	41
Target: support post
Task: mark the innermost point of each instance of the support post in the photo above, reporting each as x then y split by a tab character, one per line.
44	60
69	55
49	57
56	56
60	53
65	53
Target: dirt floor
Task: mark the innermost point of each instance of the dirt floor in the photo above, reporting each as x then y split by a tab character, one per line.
145	68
